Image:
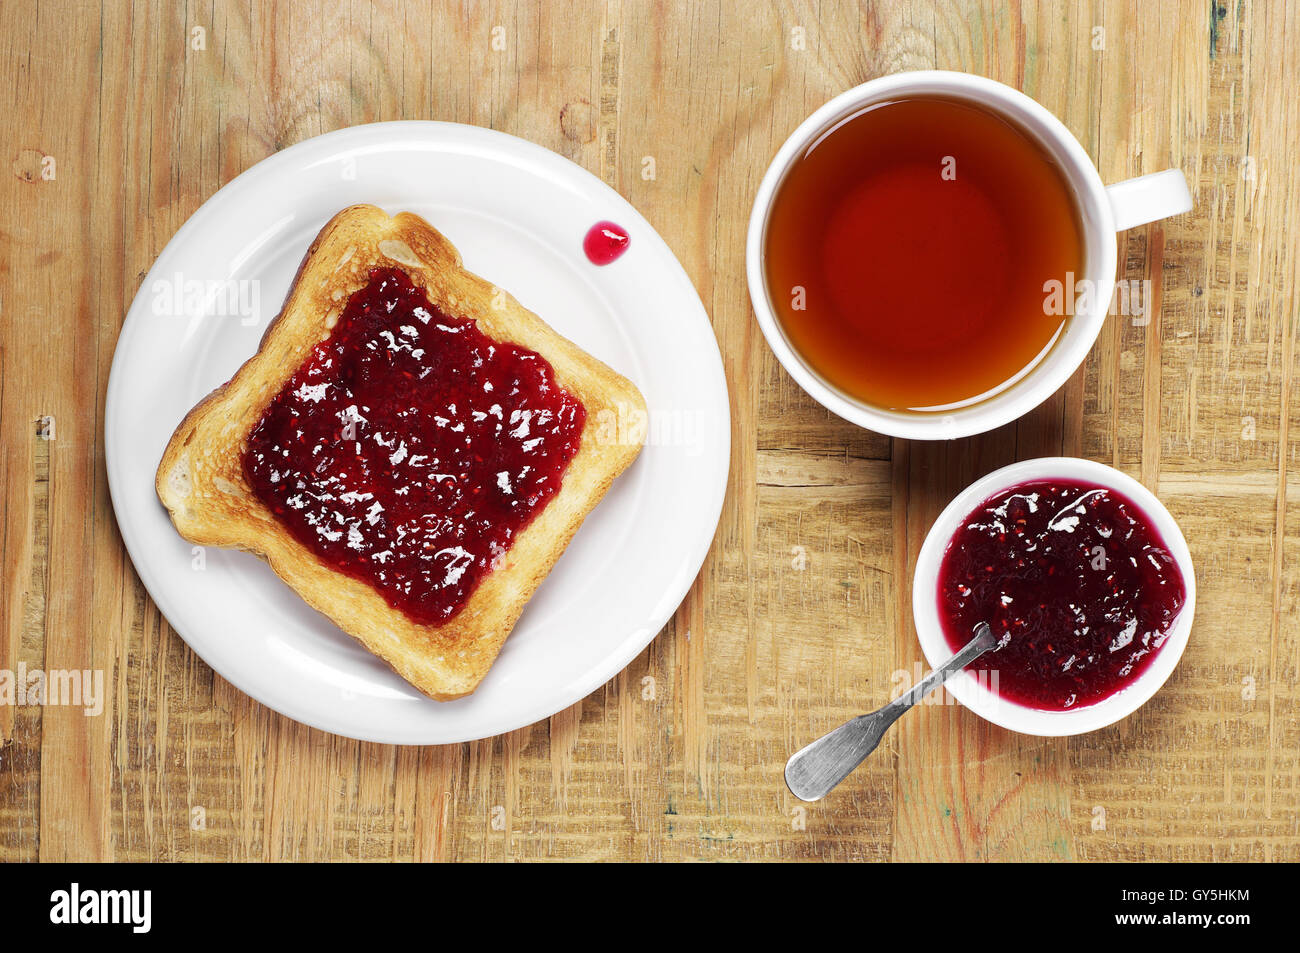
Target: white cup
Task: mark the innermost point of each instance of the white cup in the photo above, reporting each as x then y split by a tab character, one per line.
1103	211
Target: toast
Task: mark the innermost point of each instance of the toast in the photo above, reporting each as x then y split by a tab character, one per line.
204	479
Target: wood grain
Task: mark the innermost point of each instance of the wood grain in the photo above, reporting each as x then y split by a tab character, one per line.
116	128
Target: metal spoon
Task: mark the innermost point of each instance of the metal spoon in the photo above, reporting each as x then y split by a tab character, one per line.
812	771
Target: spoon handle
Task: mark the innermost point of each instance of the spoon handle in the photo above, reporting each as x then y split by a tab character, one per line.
983	642
815	769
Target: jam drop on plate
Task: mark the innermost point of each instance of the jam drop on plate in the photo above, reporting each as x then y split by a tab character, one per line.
410	449
605	242
1074	580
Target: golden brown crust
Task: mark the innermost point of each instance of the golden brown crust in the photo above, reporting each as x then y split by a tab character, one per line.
201	480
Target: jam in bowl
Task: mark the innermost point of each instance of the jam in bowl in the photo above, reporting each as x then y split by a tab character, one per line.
1084	577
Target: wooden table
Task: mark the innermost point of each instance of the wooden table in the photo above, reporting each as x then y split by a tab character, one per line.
120	119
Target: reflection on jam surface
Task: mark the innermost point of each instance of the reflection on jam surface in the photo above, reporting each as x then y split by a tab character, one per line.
604	242
409	449
1073	579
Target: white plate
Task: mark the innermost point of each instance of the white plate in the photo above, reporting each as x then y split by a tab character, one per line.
518	214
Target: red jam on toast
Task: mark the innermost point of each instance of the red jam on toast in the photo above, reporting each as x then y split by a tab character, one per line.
410	449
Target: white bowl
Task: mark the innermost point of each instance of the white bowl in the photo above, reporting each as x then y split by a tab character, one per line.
974	693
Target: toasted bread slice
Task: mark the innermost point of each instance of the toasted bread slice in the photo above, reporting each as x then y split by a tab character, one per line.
201	479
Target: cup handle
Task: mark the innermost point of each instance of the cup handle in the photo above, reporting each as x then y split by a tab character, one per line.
1147	198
